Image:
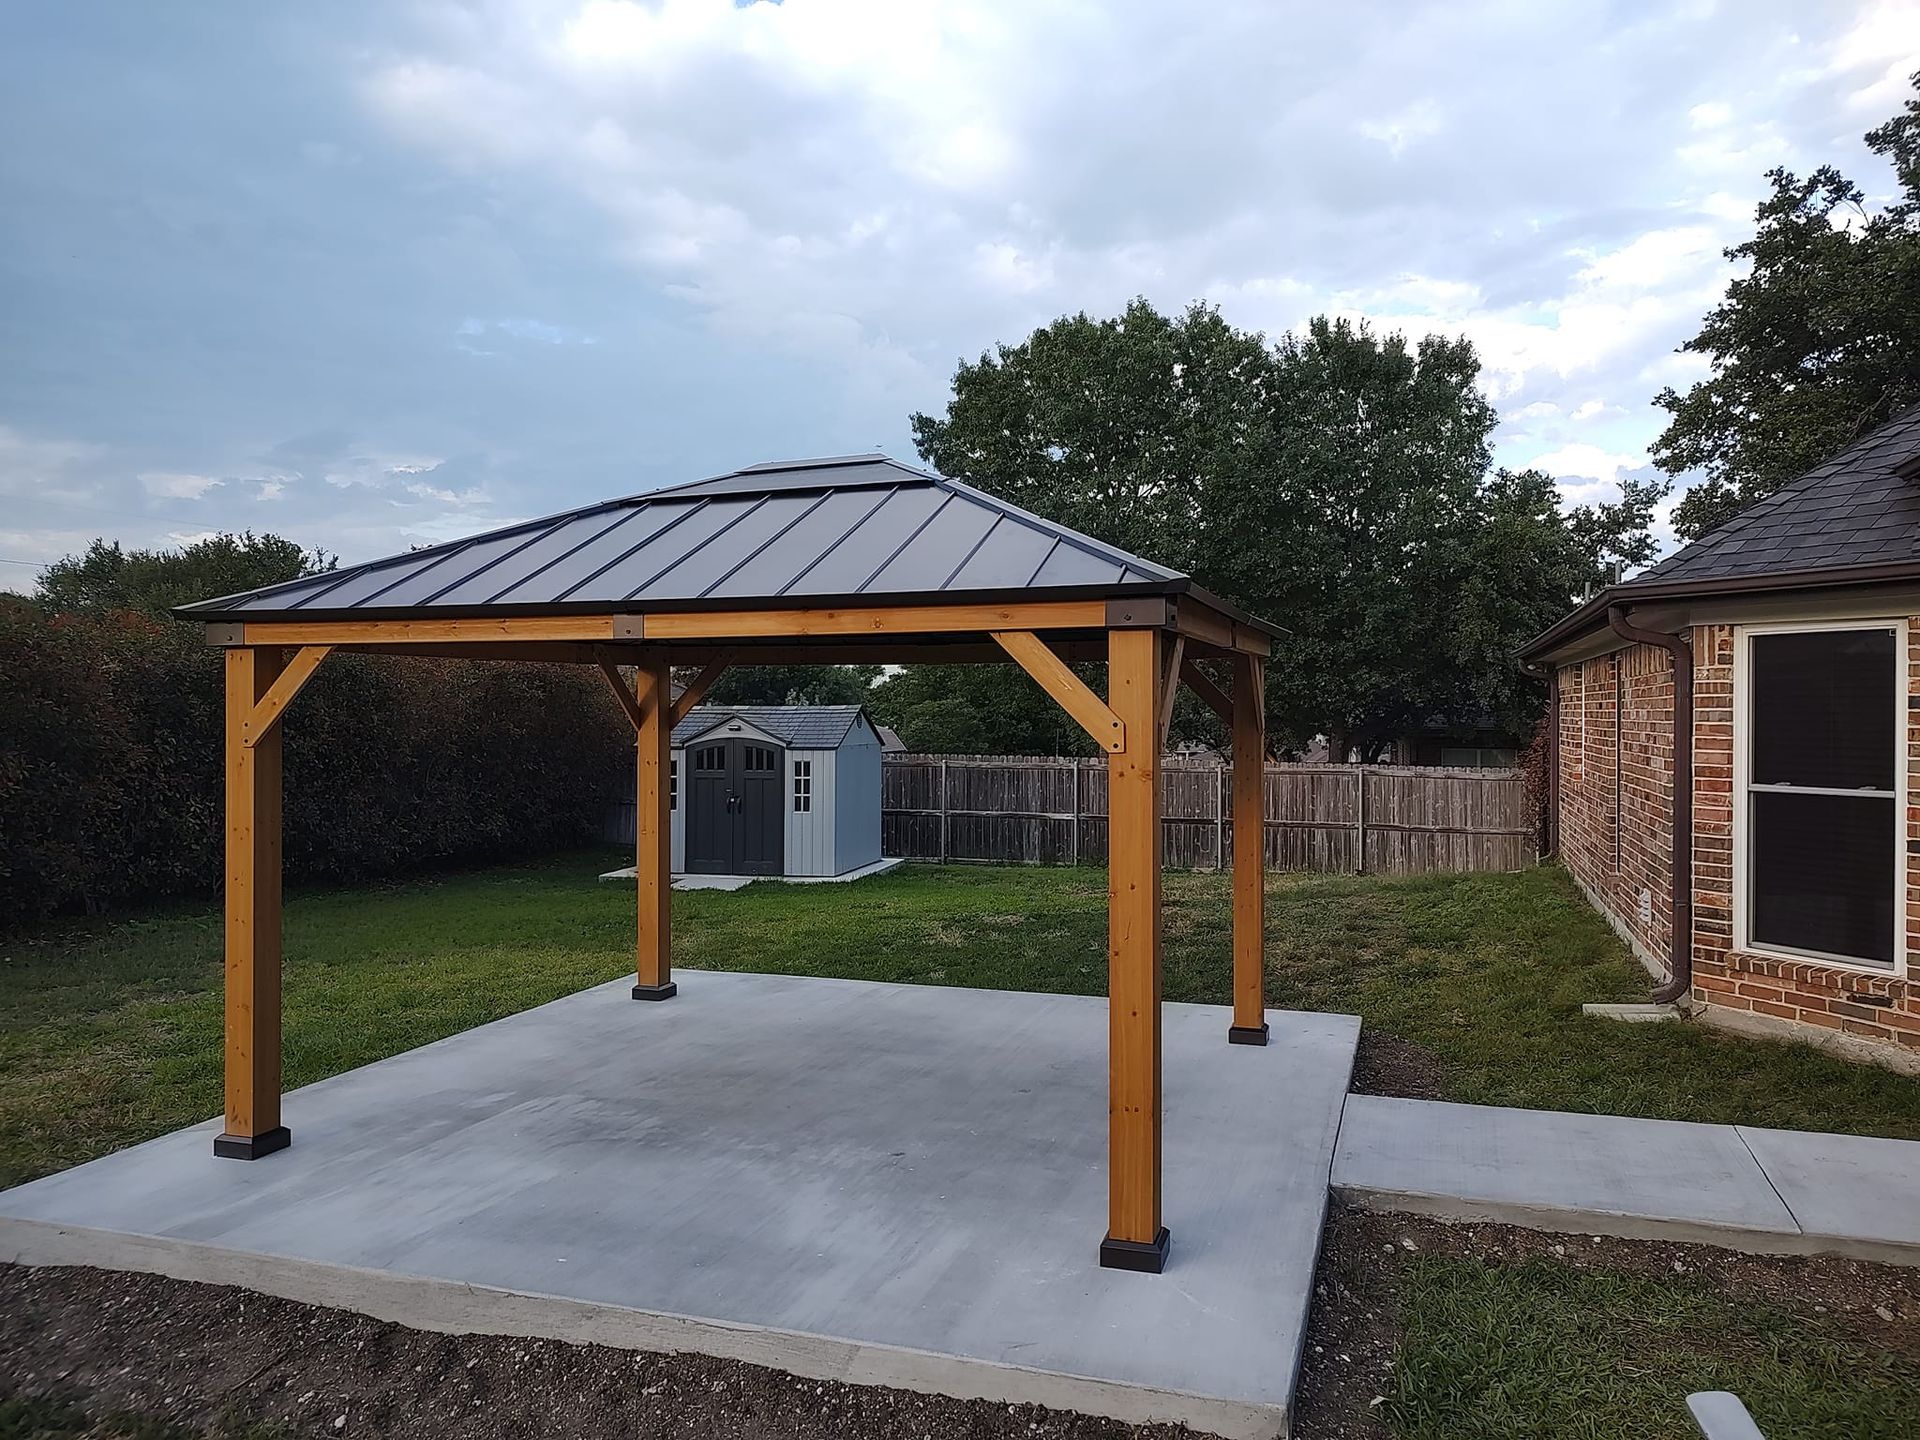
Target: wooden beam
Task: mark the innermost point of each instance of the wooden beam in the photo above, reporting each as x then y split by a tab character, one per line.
697	688
1199	621
546	652
652	859
1211	695
906	651
1052	674
1169	687
878	620
252	936
1249	852
266	715
440	632
1135	1239
630	705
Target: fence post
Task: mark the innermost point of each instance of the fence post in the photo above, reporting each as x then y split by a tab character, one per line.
1073	825
1220	773
1360	821
943	811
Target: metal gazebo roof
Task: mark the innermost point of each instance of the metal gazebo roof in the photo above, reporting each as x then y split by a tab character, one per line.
849	529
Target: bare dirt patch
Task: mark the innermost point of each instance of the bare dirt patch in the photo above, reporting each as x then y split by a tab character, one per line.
202	1356
1388	1065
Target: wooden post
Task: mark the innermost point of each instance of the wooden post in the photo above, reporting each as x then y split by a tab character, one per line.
1136	1240
652	833
1249	852
253	1125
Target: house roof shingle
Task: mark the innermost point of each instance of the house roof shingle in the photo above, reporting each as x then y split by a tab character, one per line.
1853	519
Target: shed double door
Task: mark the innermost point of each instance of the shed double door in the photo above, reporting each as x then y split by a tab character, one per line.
735	822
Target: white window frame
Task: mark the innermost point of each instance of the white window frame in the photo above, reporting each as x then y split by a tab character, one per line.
803	787
1742	828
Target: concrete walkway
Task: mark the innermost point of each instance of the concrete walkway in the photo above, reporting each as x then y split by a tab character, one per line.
1767	1191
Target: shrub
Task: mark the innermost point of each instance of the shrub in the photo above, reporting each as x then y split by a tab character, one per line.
111	763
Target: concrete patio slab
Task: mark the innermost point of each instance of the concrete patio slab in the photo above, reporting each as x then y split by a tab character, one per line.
882	1183
1559	1171
1849	1193
740	882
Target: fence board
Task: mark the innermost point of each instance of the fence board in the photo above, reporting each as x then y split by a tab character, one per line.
1338	819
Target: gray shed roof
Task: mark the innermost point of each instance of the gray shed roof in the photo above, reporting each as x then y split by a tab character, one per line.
1853	520
839	530
804	727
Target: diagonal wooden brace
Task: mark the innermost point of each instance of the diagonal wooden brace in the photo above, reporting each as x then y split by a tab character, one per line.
1052	675
628	702
697	688
1202	684
267	710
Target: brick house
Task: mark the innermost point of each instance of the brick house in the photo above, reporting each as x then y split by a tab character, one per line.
1794	633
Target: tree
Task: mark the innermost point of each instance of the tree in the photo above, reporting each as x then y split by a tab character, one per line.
1818	342
107	578
795	685
1337	482
976	710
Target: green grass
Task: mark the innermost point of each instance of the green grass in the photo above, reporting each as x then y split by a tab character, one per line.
110	1032
1543	1351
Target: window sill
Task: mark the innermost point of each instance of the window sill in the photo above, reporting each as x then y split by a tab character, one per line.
1834	975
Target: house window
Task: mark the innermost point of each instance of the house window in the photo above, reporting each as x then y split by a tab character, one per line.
802	786
1821	769
673	784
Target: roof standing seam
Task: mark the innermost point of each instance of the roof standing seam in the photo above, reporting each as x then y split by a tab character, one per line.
814	564
566	554
687	514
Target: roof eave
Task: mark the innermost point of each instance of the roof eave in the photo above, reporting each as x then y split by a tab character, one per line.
1591	614
1179	585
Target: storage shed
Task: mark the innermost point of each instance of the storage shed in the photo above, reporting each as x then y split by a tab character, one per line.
775	790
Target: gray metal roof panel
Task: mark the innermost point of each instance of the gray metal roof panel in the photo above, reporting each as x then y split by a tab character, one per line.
790	532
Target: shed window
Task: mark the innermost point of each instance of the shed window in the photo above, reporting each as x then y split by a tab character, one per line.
802	786
673	784
1822	811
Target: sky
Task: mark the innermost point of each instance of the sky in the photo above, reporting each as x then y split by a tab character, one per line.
375	275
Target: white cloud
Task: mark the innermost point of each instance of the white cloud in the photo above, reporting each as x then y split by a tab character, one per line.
1587	462
1419	121
174	486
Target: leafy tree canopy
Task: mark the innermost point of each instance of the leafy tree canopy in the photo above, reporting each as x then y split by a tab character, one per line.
1338	482
1815	344
795	685
975	710
151	582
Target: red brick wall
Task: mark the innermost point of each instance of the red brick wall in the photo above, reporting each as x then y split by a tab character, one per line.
1625	869
1803	998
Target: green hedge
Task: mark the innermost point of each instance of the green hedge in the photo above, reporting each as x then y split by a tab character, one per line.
110	763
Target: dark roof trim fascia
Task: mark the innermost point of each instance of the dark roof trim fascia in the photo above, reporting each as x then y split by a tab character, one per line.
1593	613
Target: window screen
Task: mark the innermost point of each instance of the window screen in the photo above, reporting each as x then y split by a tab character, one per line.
1821	808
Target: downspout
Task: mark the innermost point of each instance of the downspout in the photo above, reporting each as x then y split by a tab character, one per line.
1680	908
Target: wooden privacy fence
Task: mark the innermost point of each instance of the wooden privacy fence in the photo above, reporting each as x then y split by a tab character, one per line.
1342	819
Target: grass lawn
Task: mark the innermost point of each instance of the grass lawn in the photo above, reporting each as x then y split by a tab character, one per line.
1542	1349
110	1033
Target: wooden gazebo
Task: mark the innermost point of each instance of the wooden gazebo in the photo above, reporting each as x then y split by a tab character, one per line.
854	559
